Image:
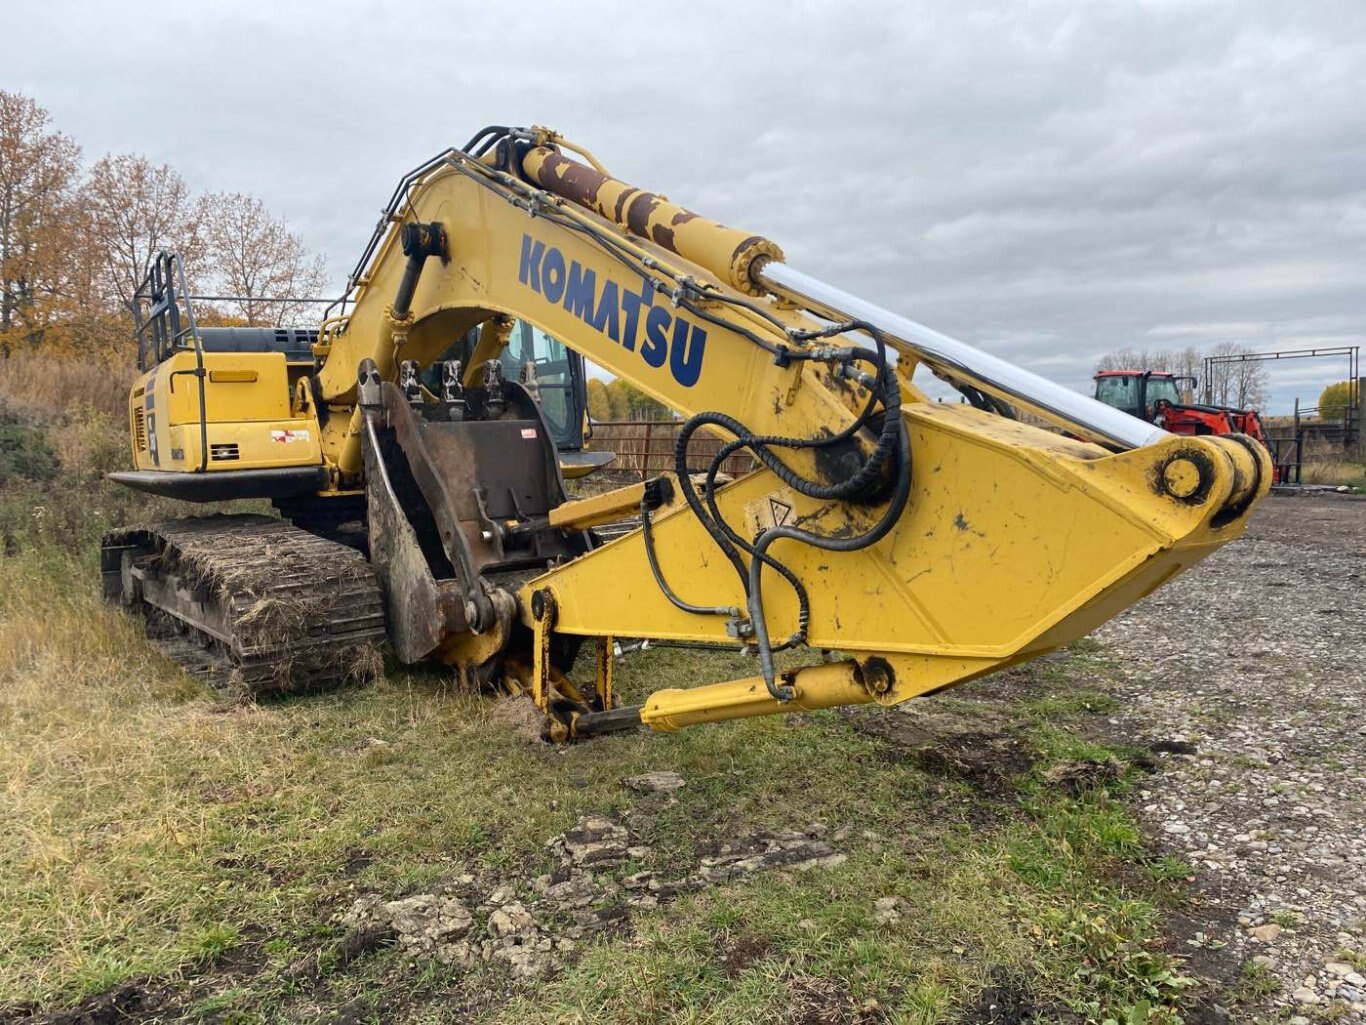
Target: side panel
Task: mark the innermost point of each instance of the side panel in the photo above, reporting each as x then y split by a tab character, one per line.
250	422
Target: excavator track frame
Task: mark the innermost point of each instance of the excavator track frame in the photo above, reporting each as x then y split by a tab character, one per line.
248	603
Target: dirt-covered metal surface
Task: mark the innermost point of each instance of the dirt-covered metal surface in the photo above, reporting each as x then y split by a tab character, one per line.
251	603
1250	674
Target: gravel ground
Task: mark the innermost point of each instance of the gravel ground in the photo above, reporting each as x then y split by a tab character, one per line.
1250	670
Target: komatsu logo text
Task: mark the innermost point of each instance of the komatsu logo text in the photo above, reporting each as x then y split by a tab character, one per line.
631	319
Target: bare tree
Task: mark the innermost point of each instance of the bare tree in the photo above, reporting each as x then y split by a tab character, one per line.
37	170
1187	363
1136	359
1235	382
256	257
136	210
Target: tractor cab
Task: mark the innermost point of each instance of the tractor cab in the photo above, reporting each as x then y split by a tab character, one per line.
1141	393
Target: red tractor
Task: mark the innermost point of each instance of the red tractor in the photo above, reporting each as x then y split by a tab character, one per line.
1155	396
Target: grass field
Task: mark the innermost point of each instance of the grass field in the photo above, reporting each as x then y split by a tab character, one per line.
192	858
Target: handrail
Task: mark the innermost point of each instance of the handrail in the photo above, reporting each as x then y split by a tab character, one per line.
159	290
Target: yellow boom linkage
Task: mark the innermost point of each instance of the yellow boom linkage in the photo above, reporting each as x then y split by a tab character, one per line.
1014	540
972	540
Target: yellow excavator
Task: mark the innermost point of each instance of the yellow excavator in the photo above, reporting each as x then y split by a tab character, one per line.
907	545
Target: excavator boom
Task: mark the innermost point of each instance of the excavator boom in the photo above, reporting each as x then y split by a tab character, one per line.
928	543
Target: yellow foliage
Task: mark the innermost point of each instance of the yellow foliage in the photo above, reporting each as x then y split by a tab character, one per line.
1333	400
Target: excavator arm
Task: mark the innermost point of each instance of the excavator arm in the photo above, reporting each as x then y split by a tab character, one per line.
927	543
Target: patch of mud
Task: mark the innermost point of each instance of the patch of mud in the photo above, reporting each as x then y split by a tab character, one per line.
134	1001
532	925
743	954
517	715
1007	1002
817	1001
977	746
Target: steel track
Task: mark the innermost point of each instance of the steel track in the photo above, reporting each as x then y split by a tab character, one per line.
249	604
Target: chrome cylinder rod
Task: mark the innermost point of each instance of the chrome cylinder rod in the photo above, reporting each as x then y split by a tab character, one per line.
961	361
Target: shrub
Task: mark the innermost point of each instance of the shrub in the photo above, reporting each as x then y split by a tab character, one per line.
24	452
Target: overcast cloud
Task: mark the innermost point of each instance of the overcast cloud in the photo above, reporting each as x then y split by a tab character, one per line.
1046	180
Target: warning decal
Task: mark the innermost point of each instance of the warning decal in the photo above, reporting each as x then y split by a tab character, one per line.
772	510
288	437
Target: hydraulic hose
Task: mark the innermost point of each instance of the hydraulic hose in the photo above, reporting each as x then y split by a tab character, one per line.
648	537
892	448
830	544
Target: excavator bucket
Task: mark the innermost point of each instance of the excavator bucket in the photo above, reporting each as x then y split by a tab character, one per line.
441	492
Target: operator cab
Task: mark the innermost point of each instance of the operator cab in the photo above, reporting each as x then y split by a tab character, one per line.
1161	388
1139	392
1124	391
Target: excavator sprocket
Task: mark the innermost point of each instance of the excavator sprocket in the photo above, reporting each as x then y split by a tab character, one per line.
250	604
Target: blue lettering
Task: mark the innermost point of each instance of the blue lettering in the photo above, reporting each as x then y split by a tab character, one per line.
607	312
529	272
630	305
685	358
656	348
552	274
578	294
615	312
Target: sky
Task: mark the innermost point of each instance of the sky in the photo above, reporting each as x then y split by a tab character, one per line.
1045	180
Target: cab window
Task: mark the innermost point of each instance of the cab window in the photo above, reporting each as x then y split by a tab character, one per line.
1163	388
1120	392
555	379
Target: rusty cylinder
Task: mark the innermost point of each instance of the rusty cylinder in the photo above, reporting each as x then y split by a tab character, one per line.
728	253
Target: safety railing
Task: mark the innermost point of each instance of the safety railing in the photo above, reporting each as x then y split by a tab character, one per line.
163	319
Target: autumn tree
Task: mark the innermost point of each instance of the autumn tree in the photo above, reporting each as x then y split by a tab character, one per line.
621	400
38	168
1335	400
256	258
599	403
641	406
137	209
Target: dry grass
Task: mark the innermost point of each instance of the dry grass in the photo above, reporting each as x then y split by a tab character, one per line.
45	389
1336	472
1328	463
148	830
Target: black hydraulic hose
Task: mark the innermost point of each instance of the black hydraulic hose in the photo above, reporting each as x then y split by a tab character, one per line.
849	487
487	136
986	402
892	438
648	537
685	485
895	507
894	442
